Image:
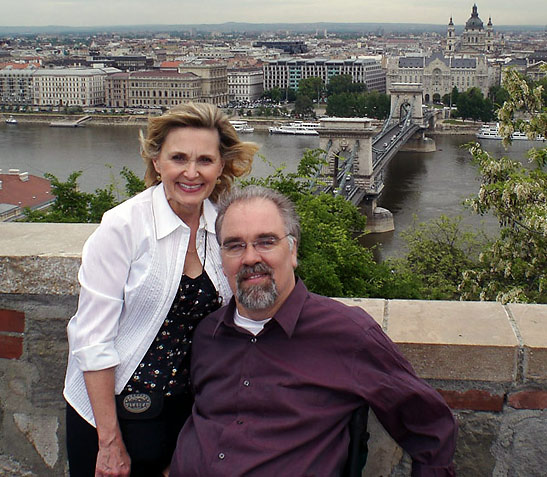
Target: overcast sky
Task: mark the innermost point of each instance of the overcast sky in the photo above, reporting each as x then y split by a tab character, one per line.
134	12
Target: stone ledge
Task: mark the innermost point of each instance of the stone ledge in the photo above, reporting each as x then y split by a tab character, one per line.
470	341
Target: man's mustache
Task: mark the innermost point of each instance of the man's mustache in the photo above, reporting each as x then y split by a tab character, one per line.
248	270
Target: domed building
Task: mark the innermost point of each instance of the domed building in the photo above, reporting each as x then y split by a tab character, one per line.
476	39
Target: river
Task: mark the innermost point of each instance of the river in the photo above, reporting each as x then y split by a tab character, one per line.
421	185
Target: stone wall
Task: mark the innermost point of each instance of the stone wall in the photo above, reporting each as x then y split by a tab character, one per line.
489	361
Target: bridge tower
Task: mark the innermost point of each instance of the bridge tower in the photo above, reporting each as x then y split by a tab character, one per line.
348	143
405	97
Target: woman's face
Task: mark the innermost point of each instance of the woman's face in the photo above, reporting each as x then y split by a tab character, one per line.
189	164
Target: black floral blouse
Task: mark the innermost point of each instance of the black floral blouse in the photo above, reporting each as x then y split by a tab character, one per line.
166	364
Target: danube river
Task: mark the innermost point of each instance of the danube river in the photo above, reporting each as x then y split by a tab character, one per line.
421	185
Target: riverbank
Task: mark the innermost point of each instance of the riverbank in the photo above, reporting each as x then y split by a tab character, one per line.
260	124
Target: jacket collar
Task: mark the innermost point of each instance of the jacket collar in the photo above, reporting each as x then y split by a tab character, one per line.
166	221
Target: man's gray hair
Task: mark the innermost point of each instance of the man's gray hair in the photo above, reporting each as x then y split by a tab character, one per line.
284	206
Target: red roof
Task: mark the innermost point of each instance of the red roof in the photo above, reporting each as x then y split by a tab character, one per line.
170	64
36	191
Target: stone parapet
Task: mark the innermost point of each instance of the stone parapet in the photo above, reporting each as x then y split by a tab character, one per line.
489	362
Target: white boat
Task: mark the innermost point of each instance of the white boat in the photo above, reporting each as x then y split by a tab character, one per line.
11	120
491	131
241	126
296	127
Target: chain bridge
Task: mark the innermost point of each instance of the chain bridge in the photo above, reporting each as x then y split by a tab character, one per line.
357	155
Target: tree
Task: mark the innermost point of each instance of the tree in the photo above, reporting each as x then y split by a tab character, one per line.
498	95
339	84
330	259
275	94
369	104
73	205
514	267
473	105
311	87
303	107
439	252
341	105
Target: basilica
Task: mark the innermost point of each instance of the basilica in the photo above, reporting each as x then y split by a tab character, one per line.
475	39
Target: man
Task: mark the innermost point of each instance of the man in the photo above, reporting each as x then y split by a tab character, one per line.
279	371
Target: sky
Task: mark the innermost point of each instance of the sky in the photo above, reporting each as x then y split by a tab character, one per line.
138	12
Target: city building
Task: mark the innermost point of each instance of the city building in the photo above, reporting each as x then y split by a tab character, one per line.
152	89
475	39
70	86
16	84
124	63
214	79
287	72
245	84
290	47
439	74
19	190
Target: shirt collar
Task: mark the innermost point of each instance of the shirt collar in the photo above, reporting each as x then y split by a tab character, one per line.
166	221
287	316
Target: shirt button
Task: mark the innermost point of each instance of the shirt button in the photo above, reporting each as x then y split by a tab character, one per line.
246	383
239	422
253	340
221	455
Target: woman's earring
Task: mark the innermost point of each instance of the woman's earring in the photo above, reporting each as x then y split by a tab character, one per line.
218	181
158	177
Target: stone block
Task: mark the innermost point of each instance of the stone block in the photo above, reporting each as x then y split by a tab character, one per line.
438	340
476	434
473	399
41	432
519	449
531	399
373	306
11	347
12	321
531	321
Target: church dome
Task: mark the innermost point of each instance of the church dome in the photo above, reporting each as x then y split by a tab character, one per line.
474	22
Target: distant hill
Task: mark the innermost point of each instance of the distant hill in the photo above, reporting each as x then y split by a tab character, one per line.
254	28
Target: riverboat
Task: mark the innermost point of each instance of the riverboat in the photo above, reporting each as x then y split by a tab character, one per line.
241	126
296	127
491	131
11	120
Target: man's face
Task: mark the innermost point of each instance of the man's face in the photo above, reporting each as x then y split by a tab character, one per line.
260	281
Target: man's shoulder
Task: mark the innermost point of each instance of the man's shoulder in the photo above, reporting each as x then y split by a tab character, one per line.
354	317
209	323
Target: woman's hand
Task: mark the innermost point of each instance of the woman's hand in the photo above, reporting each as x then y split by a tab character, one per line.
112	459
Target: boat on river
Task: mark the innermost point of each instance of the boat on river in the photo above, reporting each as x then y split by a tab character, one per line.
11	120
241	126
296	127
491	131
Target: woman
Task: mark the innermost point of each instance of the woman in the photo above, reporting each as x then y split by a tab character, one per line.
149	273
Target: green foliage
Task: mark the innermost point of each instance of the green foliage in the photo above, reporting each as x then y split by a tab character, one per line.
514	267
303	107
331	260
369	104
472	105
311	87
73	205
498	95
339	84
275	94
439	252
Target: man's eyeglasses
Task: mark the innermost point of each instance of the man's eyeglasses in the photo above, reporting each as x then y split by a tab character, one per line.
261	245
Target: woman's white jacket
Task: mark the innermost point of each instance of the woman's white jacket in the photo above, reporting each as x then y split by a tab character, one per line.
131	269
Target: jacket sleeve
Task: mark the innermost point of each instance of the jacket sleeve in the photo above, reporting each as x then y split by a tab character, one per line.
106	260
412	412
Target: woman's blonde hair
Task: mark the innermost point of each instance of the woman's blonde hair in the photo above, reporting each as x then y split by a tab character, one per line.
237	155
